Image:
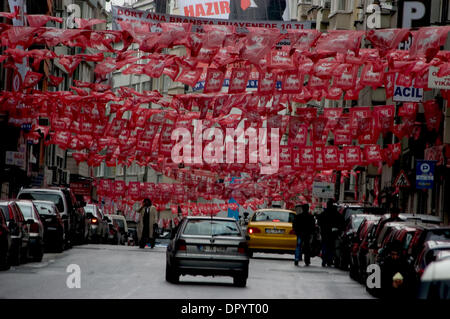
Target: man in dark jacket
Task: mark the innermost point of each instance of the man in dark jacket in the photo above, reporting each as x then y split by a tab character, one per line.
304	224
331	223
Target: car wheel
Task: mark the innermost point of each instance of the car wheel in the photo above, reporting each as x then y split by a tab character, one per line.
39	254
240	281
15	253
172	275
23	257
4	261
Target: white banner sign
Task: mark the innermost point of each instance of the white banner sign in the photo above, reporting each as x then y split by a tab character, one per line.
323	190
153	19
435	82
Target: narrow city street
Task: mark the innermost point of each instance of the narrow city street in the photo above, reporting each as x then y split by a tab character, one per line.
124	272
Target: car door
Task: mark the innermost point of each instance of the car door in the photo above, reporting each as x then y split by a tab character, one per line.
23	227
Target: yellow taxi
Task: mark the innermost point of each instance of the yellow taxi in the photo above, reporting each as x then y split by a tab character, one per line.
270	231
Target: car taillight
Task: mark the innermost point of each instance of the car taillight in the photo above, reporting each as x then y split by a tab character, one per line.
181	244
276	220
242	248
94	221
420	272
34	228
292	232
253	230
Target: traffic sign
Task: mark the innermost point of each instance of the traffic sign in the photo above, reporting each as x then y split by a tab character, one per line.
402	180
425	174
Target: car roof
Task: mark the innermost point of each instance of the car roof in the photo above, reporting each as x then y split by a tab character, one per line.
42	190
437	270
274	210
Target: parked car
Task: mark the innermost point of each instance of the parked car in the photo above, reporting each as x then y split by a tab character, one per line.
270	230
98	226
363	250
18	228
5	242
429	253
356	239
54	233
347	239
123	227
208	246
347	210
70	209
435	281
36	229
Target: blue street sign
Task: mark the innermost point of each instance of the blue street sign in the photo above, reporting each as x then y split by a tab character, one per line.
425	174
233	213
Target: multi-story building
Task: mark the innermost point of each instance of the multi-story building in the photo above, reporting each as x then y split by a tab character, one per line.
369	14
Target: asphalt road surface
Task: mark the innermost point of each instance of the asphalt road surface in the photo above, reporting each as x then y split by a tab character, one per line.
129	272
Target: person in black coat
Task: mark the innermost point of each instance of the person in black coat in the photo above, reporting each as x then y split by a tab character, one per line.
304	225
331	223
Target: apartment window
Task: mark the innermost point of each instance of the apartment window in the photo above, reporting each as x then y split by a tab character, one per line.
340	5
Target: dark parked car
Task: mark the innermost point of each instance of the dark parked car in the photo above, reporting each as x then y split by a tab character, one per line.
208	246
36	229
70	209
357	241
54	234
18	228
5	242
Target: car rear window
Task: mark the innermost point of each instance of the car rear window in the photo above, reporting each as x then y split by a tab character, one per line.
26	209
55	198
44	209
285	217
119	222
212	228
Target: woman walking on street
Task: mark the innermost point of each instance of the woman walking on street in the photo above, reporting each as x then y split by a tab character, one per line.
147	219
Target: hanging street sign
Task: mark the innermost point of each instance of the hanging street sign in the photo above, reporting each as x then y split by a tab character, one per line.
425	174
402	180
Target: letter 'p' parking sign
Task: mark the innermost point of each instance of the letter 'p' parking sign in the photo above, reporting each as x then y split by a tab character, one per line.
425	174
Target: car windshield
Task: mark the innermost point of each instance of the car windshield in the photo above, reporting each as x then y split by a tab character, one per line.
280	216
55	198
5	211
212	228
440	234
26	210
356	221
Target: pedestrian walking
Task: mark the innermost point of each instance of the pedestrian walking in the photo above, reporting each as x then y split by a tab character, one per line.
147	219
304	225
331	224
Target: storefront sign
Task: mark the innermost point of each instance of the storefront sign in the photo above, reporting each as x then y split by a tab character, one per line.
435	82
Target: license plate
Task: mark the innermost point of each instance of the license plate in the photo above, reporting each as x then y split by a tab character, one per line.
274	231
48	220
51	228
214	249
